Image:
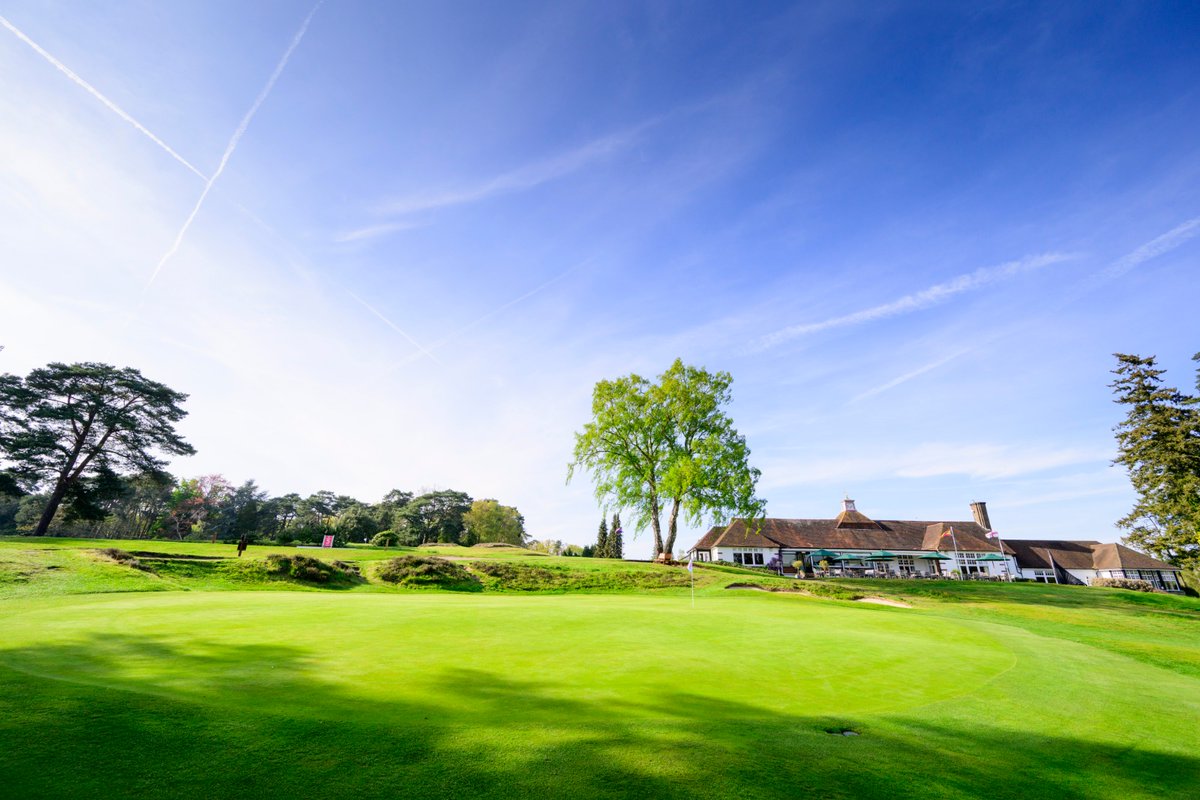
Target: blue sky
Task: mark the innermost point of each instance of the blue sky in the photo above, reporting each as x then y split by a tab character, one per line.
388	245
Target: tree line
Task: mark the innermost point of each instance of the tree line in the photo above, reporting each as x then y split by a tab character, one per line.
81	453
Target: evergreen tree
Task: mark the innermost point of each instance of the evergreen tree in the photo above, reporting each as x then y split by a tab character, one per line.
616	546
1159	446
601	550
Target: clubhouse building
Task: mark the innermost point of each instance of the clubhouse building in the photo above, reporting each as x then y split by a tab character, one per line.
853	544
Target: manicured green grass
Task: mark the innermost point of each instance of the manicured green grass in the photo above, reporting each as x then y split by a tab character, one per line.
978	690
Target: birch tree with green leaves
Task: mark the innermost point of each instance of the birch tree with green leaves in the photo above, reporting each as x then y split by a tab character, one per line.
670	447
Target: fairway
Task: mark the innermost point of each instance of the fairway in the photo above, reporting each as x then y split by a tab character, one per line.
282	694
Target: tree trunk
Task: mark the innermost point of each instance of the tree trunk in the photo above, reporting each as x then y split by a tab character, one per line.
672	525
56	498
656	526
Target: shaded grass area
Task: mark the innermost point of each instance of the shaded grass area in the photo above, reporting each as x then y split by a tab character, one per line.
605	697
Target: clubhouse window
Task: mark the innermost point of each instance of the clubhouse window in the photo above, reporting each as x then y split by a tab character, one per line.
1044	576
749	559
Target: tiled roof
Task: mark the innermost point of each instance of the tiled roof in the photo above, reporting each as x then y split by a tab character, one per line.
1087	554
814	534
1118	556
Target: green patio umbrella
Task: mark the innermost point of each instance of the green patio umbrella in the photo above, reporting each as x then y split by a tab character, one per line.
935	557
991	557
823	554
880	555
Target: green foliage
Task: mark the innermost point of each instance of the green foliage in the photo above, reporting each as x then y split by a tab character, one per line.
436	517
385	539
488	521
667	446
1159	446
64	425
427	572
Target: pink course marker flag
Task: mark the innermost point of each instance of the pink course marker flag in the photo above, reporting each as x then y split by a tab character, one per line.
327	541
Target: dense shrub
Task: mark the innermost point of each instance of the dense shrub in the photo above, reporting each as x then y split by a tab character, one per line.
385	539
507	576
427	572
1124	583
311	570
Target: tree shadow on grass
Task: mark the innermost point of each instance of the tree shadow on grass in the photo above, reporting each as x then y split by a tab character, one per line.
261	721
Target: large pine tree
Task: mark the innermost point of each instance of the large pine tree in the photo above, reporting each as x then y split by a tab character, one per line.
1159	445
601	550
616	547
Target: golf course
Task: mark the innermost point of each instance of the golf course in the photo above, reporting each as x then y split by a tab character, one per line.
185	672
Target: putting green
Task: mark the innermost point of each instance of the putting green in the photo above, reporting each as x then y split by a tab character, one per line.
310	654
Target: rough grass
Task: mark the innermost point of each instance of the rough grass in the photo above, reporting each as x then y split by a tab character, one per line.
420	572
509	576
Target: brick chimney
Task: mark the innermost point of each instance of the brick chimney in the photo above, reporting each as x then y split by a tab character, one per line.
979	512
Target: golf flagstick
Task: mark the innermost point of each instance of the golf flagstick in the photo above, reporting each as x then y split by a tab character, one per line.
692	572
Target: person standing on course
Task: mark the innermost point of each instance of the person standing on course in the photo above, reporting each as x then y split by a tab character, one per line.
242	544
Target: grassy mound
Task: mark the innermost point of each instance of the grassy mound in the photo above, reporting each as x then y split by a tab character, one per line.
427	572
118	556
512	576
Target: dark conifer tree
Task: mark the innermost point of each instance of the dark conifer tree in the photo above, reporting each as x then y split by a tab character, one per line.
1159	445
601	550
616	545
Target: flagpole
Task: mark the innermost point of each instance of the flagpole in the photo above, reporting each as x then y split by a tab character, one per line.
692	573
1000	541
957	560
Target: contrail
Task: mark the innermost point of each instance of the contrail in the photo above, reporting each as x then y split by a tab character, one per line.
393	325
459	331
233	143
918	300
120	112
1155	247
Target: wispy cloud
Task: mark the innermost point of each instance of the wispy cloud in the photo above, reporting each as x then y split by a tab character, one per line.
520	179
1152	249
371	231
934	295
977	460
423	350
94	92
233	143
523	178
908	376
